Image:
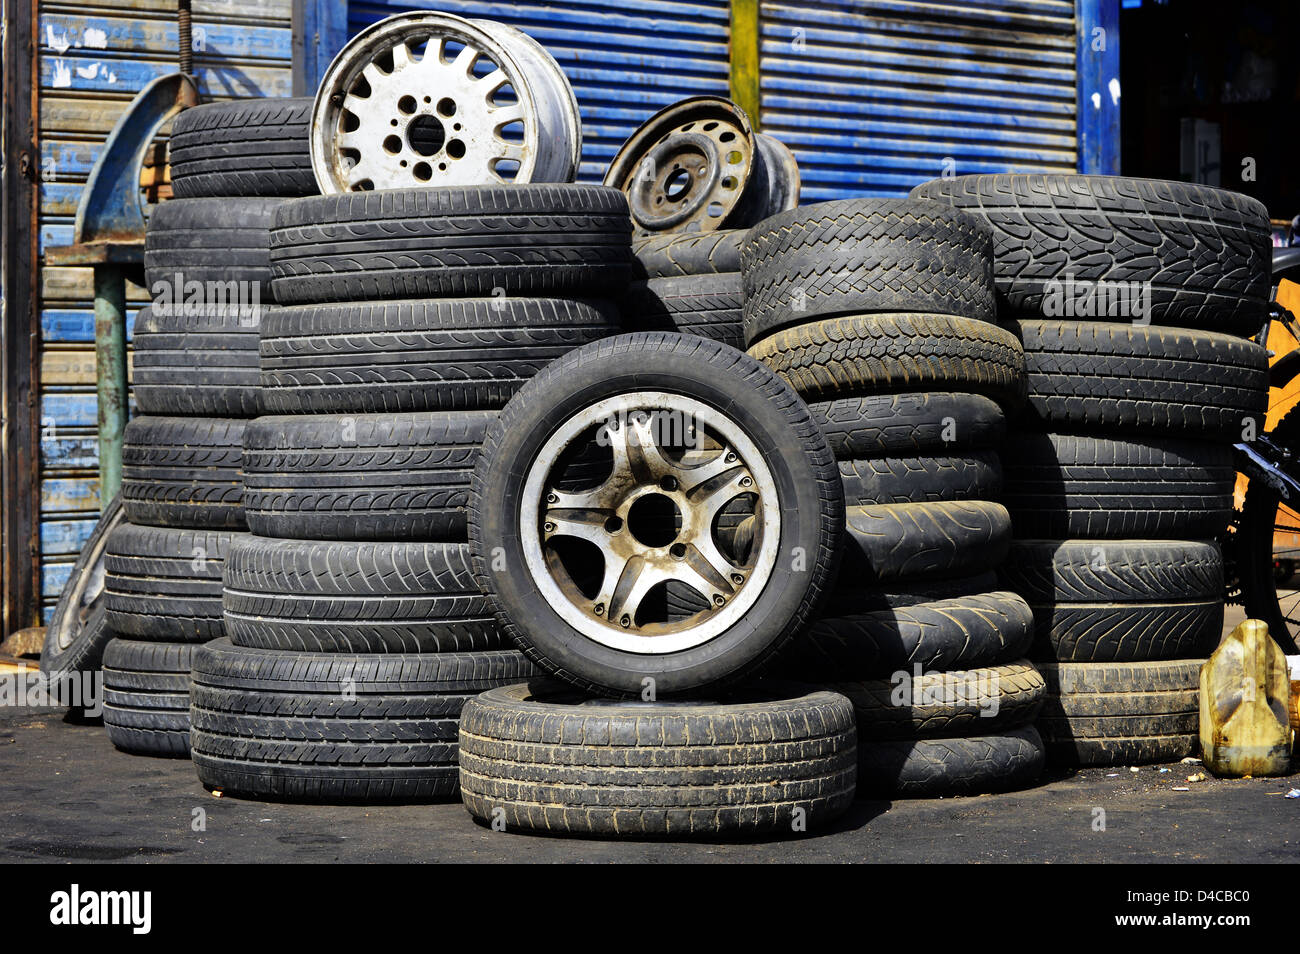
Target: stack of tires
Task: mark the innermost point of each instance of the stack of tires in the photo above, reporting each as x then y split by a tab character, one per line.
405	319
880	313
207	266
1133	300
689	283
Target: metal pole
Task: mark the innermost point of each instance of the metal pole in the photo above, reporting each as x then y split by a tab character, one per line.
110	374
184	39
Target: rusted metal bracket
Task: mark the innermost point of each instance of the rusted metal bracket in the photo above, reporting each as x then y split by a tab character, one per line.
109	236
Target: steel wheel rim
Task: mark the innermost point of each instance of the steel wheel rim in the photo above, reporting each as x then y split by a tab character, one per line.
726	466
386	117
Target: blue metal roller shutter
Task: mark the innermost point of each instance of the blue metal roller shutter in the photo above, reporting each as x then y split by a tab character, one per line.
625	60
875	96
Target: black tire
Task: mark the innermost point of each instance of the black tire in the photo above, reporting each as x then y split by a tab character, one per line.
1205	252
332	727
704	305
355	597
1119	600
1121	713
436	355
165	585
896	480
862	355
1059	486
923	541
1110	378
967	632
78	630
147	697
256	147
858	256
362	477
210	240
946	704
760	408
183	472
202	364
909	425
849	598
446	243
930	768
541	758
677	254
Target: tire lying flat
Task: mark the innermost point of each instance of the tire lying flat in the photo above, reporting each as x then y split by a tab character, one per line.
1205	252
183	472
147	697
256	147
543	759
200	361
960	766
917	541
210	240
335	727
164	584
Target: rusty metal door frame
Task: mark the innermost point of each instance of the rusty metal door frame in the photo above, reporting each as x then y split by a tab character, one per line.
20	331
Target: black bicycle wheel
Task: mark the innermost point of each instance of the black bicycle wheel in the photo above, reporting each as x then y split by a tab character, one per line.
1269	534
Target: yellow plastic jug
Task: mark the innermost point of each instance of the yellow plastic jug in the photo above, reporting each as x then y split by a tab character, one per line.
1245	695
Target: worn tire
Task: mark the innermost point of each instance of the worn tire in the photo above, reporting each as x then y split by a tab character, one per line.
164	584
1206	252
909	425
1119	600
147	697
1109	378
923	541
255	147
859	256
435	355
1121	713
1059	486
202	364
210	240
946	704
355	597
760	408
862	355
530	240
896	480
967	632
538	756
678	254
183	472
930	768
704	305
362	477
278	725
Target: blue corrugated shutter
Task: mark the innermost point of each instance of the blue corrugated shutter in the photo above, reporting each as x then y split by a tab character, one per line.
94	56
625	60
875	96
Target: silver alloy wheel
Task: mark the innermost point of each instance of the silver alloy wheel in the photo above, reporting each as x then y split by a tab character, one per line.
432	99
664	447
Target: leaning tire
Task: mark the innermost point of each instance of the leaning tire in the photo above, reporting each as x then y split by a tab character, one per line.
539	758
183	472
1058	486
1119	600
210	240
1121	713
858	256
147	697
1205	252
530	240
164	584
200	362
748	427
435	355
344	597
331	727
938	767
362	477
256	147
1163	382
862	355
